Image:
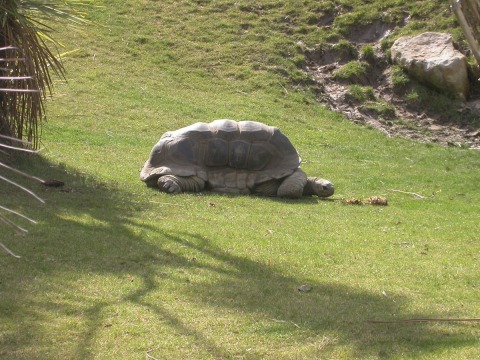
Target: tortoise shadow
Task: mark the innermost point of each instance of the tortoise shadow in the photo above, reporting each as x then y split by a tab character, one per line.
302	200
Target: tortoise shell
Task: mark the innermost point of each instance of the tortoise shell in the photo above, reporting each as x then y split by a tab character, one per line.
224	153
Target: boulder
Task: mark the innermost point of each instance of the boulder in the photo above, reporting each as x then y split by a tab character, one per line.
432	59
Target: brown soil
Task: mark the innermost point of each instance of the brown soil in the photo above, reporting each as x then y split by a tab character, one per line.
418	122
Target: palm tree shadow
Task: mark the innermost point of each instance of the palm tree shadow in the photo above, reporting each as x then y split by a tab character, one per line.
85	228
259	288
96	231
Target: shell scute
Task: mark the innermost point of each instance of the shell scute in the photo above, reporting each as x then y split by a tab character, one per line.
238	154
217	153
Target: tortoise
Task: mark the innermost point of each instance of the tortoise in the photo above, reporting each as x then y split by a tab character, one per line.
226	156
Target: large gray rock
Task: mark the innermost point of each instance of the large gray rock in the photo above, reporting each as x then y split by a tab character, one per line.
432	59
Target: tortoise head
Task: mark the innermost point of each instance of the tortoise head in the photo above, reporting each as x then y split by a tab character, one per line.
319	187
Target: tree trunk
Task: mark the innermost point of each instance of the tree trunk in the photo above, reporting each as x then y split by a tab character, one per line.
468	15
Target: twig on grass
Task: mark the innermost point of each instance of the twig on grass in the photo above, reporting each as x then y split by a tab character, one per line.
422	320
287	322
164	203
150	356
409	193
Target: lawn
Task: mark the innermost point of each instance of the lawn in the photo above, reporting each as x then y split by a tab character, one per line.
116	270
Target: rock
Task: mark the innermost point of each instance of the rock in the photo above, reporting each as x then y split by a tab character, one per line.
304	288
431	59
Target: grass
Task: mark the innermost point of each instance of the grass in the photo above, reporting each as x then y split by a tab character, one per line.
380	108
367	102
114	270
399	78
352	72
360	93
368	53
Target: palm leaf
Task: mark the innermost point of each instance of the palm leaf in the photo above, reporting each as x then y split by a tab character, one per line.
27	62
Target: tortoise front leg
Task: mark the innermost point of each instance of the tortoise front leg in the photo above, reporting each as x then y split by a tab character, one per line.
292	186
174	184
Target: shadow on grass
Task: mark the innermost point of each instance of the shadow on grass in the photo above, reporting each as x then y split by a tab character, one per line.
90	233
258	288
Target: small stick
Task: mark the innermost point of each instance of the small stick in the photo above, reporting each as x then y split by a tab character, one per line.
421	320
150	356
410	193
164	203
287	322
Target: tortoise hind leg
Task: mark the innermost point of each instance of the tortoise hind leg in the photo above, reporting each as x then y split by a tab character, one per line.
292	186
176	184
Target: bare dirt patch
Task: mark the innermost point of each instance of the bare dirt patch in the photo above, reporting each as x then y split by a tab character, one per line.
370	33
403	118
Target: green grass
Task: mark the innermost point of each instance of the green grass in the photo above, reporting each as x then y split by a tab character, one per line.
115	270
353	72
399	78
368	53
380	108
360	93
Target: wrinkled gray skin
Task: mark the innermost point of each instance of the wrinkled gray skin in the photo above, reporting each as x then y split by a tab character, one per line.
230	157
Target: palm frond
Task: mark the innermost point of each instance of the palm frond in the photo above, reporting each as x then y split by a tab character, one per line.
26	65
3	219
27	61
